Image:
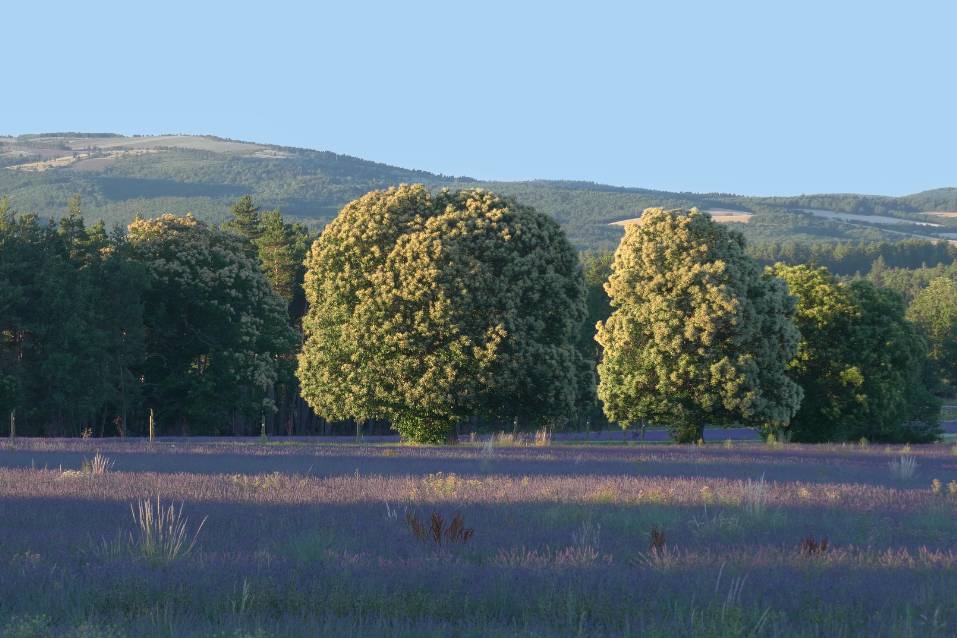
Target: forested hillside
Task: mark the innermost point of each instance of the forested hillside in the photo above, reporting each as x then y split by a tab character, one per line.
120	177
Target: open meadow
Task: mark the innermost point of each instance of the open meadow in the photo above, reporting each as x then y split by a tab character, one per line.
302	538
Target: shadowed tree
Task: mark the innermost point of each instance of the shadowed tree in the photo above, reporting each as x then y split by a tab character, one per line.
215	327
860	363
934	312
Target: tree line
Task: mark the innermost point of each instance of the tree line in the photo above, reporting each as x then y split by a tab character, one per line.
850	258
431	312
169	314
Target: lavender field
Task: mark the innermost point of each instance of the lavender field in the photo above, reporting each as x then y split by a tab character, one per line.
301	538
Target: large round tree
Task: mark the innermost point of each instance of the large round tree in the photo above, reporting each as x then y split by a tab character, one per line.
698	335
425	309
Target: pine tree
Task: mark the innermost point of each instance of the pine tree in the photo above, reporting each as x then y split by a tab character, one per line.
245	220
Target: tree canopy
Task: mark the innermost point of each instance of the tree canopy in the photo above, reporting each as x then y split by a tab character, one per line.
862	366
698	334
96	327
934	312
214	323
428	308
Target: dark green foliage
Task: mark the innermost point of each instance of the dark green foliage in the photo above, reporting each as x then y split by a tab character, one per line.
95	328
214	326
908	283
245	220
863	367
67	345
849	258
934	312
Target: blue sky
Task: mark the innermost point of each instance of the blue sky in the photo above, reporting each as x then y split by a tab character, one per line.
752	98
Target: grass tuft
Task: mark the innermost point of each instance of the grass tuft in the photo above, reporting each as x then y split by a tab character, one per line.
755	497
903	467
98	465
161	534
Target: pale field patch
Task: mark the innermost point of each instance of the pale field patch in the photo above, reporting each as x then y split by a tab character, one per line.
719	215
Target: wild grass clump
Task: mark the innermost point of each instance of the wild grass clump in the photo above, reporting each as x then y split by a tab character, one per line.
777	441
657	541
755	497
98	465
442	485
587	535
904	467
161	534
435	531
509	439
659	555
811	546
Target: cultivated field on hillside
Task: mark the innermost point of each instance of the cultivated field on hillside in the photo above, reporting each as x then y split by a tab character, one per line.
723	216
302	538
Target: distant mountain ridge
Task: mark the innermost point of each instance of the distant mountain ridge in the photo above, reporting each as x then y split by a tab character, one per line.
120	176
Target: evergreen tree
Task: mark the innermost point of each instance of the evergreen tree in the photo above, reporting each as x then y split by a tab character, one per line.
215	327
245	220
282	248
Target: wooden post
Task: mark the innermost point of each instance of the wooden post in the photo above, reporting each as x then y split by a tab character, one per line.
262	428
13	424
152	426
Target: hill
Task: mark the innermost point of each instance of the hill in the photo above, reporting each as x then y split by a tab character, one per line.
119	177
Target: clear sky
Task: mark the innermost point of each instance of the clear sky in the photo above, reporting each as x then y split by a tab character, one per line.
747	97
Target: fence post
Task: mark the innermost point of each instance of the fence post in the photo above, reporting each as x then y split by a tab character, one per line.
152	426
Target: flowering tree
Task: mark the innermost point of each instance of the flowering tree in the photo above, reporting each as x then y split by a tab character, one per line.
698	333
215	327
425	309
